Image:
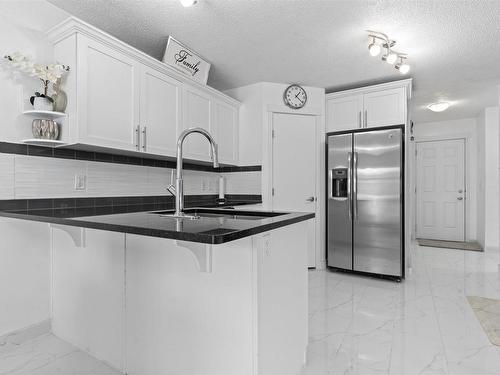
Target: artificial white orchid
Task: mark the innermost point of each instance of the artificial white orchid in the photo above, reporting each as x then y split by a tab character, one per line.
46	73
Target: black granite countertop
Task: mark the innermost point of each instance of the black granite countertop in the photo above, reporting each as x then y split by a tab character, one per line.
211	228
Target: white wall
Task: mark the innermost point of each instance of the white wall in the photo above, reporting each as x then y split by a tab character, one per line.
24	251
463	128
259	101
488	178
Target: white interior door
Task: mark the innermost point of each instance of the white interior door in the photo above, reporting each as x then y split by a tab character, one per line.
294	169
441	190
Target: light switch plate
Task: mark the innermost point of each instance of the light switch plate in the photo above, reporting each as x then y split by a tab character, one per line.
80	182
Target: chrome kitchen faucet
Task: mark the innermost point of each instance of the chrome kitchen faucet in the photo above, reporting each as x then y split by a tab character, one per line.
178	190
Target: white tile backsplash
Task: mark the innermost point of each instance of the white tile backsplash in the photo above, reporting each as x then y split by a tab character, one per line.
246	182
28	177
107	179
6	176
39	177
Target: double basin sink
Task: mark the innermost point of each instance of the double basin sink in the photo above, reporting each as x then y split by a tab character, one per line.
199	213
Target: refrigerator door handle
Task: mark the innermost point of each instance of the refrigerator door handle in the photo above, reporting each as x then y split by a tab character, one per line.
355	184
349	176
330	184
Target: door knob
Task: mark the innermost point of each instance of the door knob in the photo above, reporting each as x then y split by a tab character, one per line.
460	198
310	199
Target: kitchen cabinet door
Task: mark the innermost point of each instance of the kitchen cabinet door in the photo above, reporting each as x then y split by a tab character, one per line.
196	113
386	107
160	112
344	113
108	95
225	126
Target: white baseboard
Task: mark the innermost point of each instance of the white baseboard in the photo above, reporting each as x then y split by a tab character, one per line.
24	334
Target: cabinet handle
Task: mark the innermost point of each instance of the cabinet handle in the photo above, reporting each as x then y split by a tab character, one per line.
144	139
366	118
137	138
359	119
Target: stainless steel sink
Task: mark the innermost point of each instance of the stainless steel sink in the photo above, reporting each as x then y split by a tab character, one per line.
198	213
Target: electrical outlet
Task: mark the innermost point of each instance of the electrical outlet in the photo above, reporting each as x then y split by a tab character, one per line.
80	182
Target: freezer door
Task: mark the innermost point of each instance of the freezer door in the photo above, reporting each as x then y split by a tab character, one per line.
377	203
339	231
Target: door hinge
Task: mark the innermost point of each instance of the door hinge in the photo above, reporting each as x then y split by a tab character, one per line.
273	134
272	192
416	152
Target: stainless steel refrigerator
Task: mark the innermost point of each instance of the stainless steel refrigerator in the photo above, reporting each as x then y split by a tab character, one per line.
365	229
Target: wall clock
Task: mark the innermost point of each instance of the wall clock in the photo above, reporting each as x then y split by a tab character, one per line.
295	96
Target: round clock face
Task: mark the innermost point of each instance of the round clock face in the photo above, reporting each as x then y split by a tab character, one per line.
295	96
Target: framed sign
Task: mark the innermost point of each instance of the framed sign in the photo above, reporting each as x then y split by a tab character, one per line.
186	61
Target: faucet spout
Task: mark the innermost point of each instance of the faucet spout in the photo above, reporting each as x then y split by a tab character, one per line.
179	185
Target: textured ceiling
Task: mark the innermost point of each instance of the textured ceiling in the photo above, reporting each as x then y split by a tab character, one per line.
454	46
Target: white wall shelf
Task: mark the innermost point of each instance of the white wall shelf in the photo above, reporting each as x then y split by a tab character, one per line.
43	142
52	115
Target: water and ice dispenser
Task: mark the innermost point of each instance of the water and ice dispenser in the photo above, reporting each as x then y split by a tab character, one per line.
339	182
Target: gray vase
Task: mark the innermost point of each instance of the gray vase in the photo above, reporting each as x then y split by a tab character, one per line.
45	129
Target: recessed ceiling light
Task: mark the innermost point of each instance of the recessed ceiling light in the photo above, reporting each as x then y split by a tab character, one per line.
187	3
439	107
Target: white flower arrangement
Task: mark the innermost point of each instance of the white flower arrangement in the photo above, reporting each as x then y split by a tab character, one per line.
48	74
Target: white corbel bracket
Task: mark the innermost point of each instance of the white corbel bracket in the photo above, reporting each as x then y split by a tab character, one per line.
202	253
78	234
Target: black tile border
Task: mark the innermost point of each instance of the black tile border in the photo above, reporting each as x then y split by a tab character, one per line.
68	153
122	204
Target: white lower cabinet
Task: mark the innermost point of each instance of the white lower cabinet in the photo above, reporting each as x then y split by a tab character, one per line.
148	305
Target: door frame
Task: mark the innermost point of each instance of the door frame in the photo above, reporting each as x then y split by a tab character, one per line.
466	139
268	172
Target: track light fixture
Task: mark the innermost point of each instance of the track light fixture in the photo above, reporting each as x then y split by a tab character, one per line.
377	41
402	66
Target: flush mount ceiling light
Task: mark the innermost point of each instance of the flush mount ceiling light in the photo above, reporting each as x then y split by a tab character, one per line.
439	106
380	40
187	3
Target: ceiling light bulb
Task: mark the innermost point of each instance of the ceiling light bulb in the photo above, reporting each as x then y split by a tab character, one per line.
390	57
439	107
403	67
187	3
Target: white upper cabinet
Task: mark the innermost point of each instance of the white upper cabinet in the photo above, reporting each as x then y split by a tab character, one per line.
372	106
160	112
225	124
121	98
386	107
107	95
197	114
344	113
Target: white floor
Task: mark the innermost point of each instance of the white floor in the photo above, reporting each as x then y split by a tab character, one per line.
358	325
48	355
423	325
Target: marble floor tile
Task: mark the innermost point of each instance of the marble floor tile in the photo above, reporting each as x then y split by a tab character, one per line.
421	326
48	355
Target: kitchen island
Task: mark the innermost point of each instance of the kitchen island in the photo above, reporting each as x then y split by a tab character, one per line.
150	294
